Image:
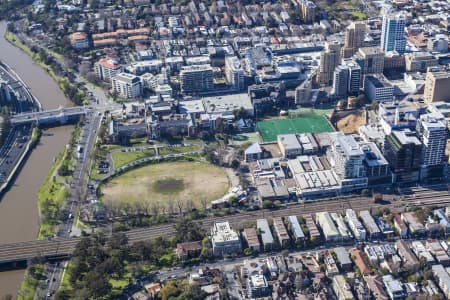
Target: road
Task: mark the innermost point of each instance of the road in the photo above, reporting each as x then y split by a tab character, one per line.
78	186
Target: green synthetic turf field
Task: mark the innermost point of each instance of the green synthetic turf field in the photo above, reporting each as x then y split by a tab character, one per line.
312	124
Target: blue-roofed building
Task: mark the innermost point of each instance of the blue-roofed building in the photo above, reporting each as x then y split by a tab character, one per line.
266	235
253	153
296	229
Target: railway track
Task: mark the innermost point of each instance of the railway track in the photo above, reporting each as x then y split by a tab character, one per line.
23	251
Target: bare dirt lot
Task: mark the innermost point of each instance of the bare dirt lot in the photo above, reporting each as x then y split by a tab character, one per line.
195	181
351	122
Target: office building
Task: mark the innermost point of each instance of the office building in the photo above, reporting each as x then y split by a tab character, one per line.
354	38
370	59
196	79
309	11
127	85
354	77
419	61
107	68
437	82
340	82
433	134
346	159
329	59
234	72
393	33
375	164
377	88
303	93
224	240
403	150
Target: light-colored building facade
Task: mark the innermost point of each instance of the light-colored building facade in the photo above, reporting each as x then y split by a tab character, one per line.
107	68
234	72
127	85
437	82
377	88
225	240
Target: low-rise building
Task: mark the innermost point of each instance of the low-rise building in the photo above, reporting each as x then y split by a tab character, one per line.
394	288
400	226
314	233
257	287
329	229
442	278
79	40
355	225
415	226
296	229
376	287
421	252
360	262
224	240
281	232
343	259
253	153
251	237
372	228
341	288
266	234
409	260
188	250
439	253
341	226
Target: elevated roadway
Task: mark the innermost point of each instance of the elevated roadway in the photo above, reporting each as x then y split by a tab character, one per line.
63	247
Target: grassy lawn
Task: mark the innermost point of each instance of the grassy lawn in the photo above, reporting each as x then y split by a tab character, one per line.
50	196
359	15
245	138
29	284
122	158
161	183
175	150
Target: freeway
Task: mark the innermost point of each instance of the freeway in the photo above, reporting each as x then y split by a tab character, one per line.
63	246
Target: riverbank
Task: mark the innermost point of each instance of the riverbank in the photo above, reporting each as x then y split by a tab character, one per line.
19	217
77	96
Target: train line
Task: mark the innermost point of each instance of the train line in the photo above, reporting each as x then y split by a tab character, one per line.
23	251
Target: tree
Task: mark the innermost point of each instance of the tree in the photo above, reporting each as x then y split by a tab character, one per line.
188	230
118	240
169	291
235	164
180	206
97	284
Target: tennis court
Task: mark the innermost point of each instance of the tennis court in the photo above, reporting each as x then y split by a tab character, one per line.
310	124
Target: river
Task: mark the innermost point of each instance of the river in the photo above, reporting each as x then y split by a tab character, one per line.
19	220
